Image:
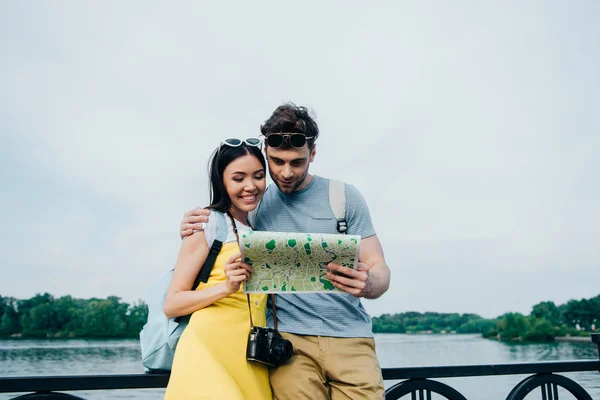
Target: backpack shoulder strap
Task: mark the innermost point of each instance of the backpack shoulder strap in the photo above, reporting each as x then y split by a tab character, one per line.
221	226
337	202
215	249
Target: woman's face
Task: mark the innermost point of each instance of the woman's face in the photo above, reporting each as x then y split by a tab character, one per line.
244	180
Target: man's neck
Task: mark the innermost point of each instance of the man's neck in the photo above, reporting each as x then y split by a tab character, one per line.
305	183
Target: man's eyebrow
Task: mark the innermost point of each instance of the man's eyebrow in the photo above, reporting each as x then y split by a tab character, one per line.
294	160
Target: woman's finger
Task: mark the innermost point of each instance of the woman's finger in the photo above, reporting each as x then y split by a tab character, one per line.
237	272
233	258
235	266
238	265
244	265
230	267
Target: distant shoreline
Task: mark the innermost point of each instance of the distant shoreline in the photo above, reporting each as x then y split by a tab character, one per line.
586	339
572	339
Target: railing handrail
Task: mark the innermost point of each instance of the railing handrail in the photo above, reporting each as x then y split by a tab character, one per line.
489	369
147	381
413	379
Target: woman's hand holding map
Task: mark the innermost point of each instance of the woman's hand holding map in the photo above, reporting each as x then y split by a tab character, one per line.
236	272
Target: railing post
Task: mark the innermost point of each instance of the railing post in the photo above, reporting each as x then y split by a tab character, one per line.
596	339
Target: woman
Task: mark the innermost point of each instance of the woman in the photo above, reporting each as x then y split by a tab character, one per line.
210	360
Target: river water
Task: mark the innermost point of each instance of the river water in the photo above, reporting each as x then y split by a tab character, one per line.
80	357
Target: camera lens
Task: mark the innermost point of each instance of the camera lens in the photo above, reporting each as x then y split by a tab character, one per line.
281	350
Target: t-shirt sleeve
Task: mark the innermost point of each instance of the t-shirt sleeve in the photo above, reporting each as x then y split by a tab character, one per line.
210	228
357	214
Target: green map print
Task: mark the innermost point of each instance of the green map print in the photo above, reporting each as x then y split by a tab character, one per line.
287	262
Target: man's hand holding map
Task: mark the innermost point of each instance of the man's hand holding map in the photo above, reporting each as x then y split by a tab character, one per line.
287	262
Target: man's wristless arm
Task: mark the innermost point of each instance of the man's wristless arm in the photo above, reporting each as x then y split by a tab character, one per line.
378	280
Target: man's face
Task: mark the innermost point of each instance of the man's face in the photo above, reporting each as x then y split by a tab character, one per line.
289	167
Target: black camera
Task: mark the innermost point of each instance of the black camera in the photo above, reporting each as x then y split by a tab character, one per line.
266	346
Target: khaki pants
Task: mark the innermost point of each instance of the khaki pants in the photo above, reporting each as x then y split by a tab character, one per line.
324	367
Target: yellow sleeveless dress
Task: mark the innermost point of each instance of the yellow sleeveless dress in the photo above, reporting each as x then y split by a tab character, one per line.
210	359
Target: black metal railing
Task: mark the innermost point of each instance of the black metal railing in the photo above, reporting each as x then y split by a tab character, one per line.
417	382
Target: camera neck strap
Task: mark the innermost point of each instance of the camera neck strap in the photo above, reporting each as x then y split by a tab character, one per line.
272	309
248	294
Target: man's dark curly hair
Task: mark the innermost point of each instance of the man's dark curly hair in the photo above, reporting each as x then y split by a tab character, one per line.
290	118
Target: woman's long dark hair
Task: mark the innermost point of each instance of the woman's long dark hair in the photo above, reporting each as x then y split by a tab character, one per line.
219	160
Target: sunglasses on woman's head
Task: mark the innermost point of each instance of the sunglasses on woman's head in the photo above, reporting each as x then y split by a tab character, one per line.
294	139
233	142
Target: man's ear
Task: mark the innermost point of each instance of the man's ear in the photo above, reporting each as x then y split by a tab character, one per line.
313	152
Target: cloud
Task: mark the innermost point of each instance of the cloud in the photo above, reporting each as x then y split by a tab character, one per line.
470	130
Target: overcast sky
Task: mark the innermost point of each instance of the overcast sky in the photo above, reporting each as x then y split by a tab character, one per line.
471	128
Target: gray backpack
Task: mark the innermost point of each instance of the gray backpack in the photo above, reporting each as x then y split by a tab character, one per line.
159	336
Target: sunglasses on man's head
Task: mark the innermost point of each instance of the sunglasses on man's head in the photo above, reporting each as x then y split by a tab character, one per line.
294	139
233	142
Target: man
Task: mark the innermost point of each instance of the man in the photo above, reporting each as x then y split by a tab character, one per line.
334	351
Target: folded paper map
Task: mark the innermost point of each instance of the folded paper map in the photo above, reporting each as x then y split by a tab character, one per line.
286	262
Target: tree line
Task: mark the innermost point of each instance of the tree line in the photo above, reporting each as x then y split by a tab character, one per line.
43	315
545	322
431	322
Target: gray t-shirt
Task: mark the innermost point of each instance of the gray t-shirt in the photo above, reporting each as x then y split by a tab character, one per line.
307	210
